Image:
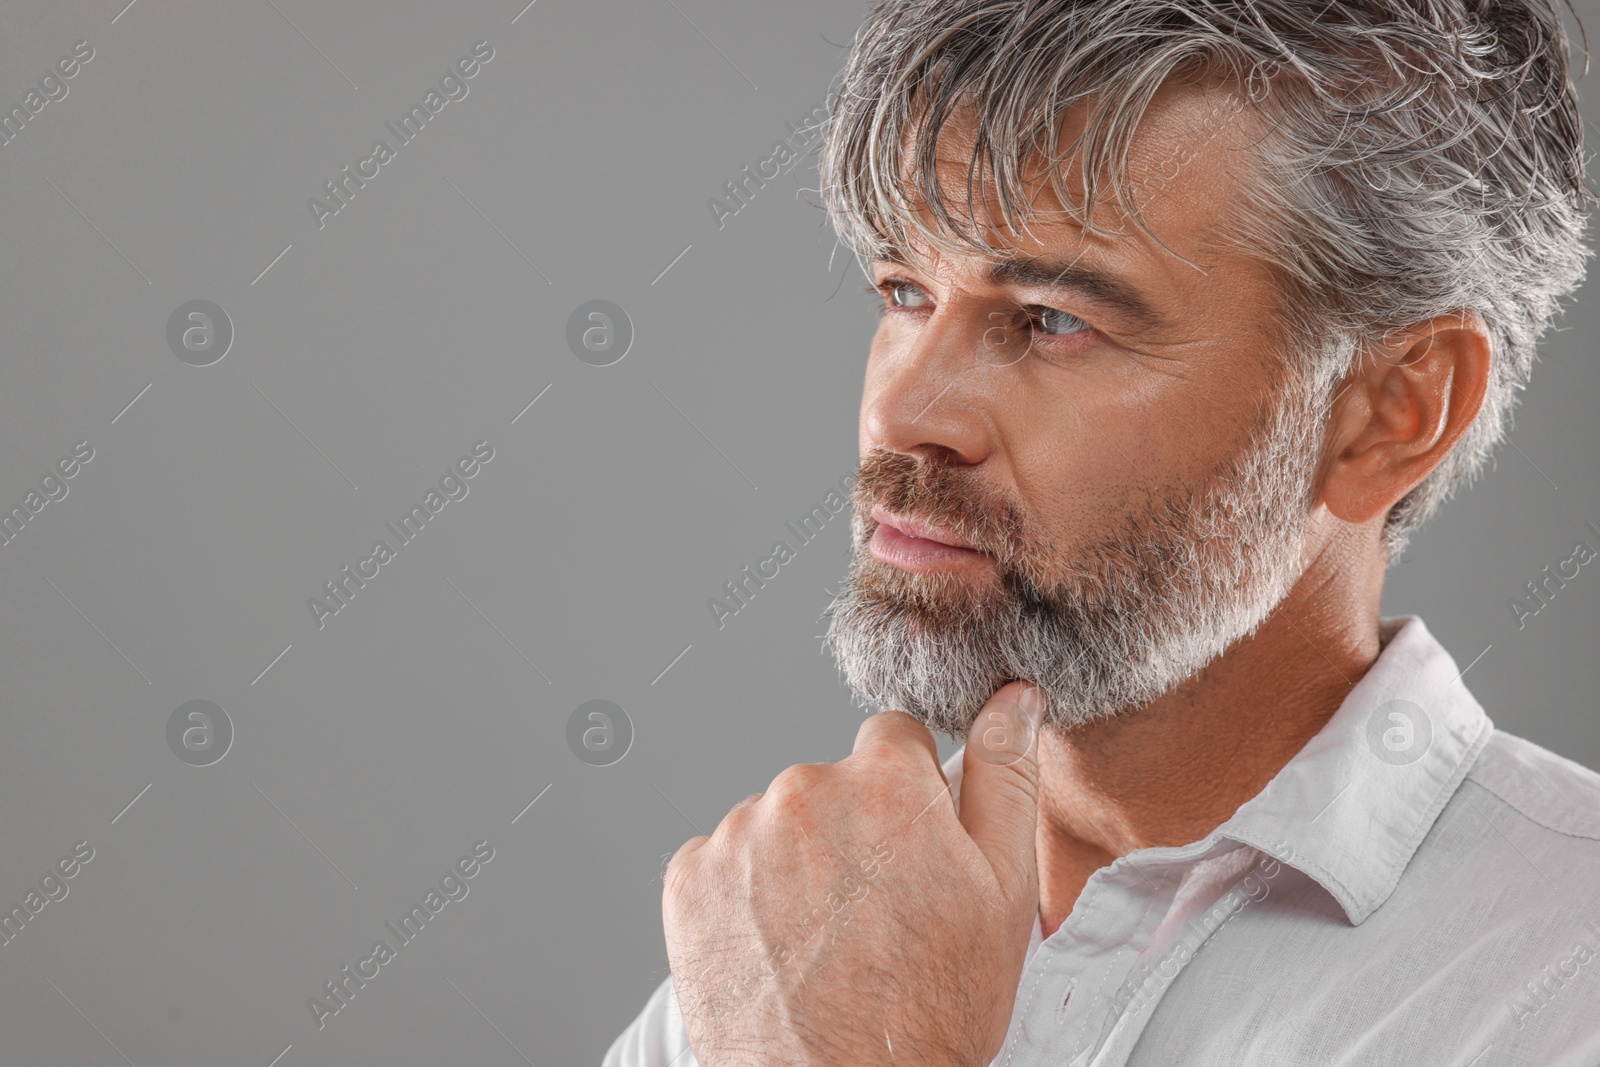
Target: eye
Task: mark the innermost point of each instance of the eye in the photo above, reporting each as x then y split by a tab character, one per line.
1053	322
906	295
897	293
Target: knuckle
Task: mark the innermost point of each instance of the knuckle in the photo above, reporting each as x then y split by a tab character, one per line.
793	788
877	749
877	729
734	825
883	763
678	877
891	718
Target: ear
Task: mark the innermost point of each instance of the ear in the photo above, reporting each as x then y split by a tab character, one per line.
1400	410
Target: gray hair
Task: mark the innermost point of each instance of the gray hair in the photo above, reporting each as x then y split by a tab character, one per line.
1418	157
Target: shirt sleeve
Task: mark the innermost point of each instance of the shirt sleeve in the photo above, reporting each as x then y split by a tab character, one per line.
656	1038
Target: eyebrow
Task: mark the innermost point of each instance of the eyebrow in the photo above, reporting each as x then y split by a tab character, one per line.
1062	276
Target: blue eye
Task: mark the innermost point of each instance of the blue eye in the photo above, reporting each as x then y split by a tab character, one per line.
906	295
1052	322
897	293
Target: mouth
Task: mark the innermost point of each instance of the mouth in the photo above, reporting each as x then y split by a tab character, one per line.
920	547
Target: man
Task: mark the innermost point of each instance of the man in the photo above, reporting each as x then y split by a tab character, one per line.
1192	311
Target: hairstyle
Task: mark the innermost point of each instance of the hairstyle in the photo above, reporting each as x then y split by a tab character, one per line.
1415	157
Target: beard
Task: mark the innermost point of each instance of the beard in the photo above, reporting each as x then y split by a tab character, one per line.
1103	630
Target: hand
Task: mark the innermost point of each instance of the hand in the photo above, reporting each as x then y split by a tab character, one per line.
848	916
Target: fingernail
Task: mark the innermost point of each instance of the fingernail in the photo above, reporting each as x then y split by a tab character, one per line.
1032	701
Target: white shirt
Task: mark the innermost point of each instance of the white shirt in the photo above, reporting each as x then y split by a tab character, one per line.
1413	887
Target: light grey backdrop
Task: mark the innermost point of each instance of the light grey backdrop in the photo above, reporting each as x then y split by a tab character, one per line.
369	354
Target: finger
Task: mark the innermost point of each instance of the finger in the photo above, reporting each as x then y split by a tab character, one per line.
896	730
1000	783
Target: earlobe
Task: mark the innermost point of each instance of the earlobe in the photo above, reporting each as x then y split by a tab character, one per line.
1402	410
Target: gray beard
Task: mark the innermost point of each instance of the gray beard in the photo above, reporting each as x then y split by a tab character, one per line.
1123	623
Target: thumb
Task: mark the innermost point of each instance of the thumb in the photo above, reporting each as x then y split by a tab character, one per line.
1000	782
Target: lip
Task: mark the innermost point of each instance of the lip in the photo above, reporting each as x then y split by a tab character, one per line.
920	530
914	545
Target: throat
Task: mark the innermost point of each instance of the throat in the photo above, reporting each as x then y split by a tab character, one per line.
1065	867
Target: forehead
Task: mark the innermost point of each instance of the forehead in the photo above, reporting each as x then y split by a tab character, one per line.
1186	161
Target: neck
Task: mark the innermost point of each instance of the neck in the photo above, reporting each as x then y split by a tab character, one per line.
1169	773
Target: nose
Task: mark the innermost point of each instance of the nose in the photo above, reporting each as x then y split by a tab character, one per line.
925	395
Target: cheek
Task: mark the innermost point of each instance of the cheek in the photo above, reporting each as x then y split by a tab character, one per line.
1073	504
1084	465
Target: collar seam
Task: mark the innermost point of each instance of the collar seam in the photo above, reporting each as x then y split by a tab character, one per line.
1361	906
1427	821
1526	814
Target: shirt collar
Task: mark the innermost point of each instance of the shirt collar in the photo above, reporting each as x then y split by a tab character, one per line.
1353	805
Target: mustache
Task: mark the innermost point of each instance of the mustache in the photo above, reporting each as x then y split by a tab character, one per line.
944	495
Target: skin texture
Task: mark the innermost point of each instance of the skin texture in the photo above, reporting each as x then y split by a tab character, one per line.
921	961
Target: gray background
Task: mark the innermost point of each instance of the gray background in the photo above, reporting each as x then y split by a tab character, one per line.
422	318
